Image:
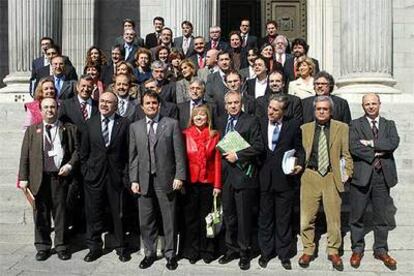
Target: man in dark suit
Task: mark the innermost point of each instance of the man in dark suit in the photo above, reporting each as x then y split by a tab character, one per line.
271	29
127	106
199	55
324	84
49	154
234	82
166	40
299	48
216	85
293	108
157	170
216	42
152	39
185	42
277	189
129	47
167	88
104	166
64	84
248	41
280	45
196	91
129	24
37	63
109	70
373	140
239	181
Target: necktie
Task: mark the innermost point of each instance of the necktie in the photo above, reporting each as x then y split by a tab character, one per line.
185	45
214	44
151	144
323	158
230	124
105	131
244	40
200	62
121	107
58	85
377	161
48	133
84	111
275	136
49	161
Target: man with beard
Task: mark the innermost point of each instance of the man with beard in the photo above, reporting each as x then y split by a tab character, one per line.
280	45
293	108
168	88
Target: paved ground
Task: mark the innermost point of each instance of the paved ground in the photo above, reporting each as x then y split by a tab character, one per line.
16	228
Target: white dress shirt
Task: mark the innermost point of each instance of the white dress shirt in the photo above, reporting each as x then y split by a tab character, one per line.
260	87
376	121
88	105
57	151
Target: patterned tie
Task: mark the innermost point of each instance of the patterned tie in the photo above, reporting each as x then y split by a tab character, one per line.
275	136
213	44
84	111
121	108
323	158
49	161
200	62
377	161
105	131
230	124
151	146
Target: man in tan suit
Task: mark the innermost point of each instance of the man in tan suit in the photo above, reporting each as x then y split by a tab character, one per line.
325	142
48	159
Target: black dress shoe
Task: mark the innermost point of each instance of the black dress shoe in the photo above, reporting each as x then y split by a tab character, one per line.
147	262
92	256
64	255
228	257
124	257
42	255
244	263
263	261
193	260
286	264
171	264
208	259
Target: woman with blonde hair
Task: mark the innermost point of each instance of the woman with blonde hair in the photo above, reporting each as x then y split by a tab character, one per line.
188	71
303	86
204	167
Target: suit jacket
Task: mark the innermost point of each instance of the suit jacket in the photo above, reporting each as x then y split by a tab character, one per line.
272	176
338	148
222	45
178	43
251	87
38	63
70	111
387	143
31	158
292	110
216	89
138	41
131	57
248	127
251	42
289	66
131	110
168	91
265	39
70	74
169	155
184	113
151	40
341	111
167	109
107	73
194	58
99	162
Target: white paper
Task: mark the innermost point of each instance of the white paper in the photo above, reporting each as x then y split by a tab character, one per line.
288	161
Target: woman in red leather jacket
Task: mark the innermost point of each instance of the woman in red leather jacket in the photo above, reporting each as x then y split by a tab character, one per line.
204	163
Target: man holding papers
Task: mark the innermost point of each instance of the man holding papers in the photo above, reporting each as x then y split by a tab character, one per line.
277	189
239	179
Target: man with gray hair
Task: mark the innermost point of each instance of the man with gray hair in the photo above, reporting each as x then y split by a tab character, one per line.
168	88
215	40
373	140
325	142
280	45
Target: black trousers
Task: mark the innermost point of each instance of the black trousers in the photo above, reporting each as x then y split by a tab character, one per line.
198	202
50	199
379	194
238	219
96	201
275	223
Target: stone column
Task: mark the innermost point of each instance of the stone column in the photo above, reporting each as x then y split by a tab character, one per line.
198	12
78	30
366	47
29	20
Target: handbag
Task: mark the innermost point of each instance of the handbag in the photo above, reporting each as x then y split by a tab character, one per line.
214	220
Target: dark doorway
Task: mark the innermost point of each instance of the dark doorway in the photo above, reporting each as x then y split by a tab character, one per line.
233	11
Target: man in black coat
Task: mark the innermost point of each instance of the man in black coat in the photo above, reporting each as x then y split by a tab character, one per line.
324	84
239	180
152	39
276	84
277	189
104	166
372	142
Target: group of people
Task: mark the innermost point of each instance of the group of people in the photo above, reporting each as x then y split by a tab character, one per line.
148	133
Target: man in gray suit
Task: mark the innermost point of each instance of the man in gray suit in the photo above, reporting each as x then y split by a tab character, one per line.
127	106
185	42
157	170
373	140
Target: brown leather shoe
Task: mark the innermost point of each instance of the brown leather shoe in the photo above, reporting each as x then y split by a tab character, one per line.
336	262
387	260
304	260
356	259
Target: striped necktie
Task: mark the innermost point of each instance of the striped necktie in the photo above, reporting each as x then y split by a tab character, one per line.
323	158
105	131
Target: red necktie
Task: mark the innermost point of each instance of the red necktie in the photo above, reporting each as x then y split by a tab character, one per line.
200	62
213	44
